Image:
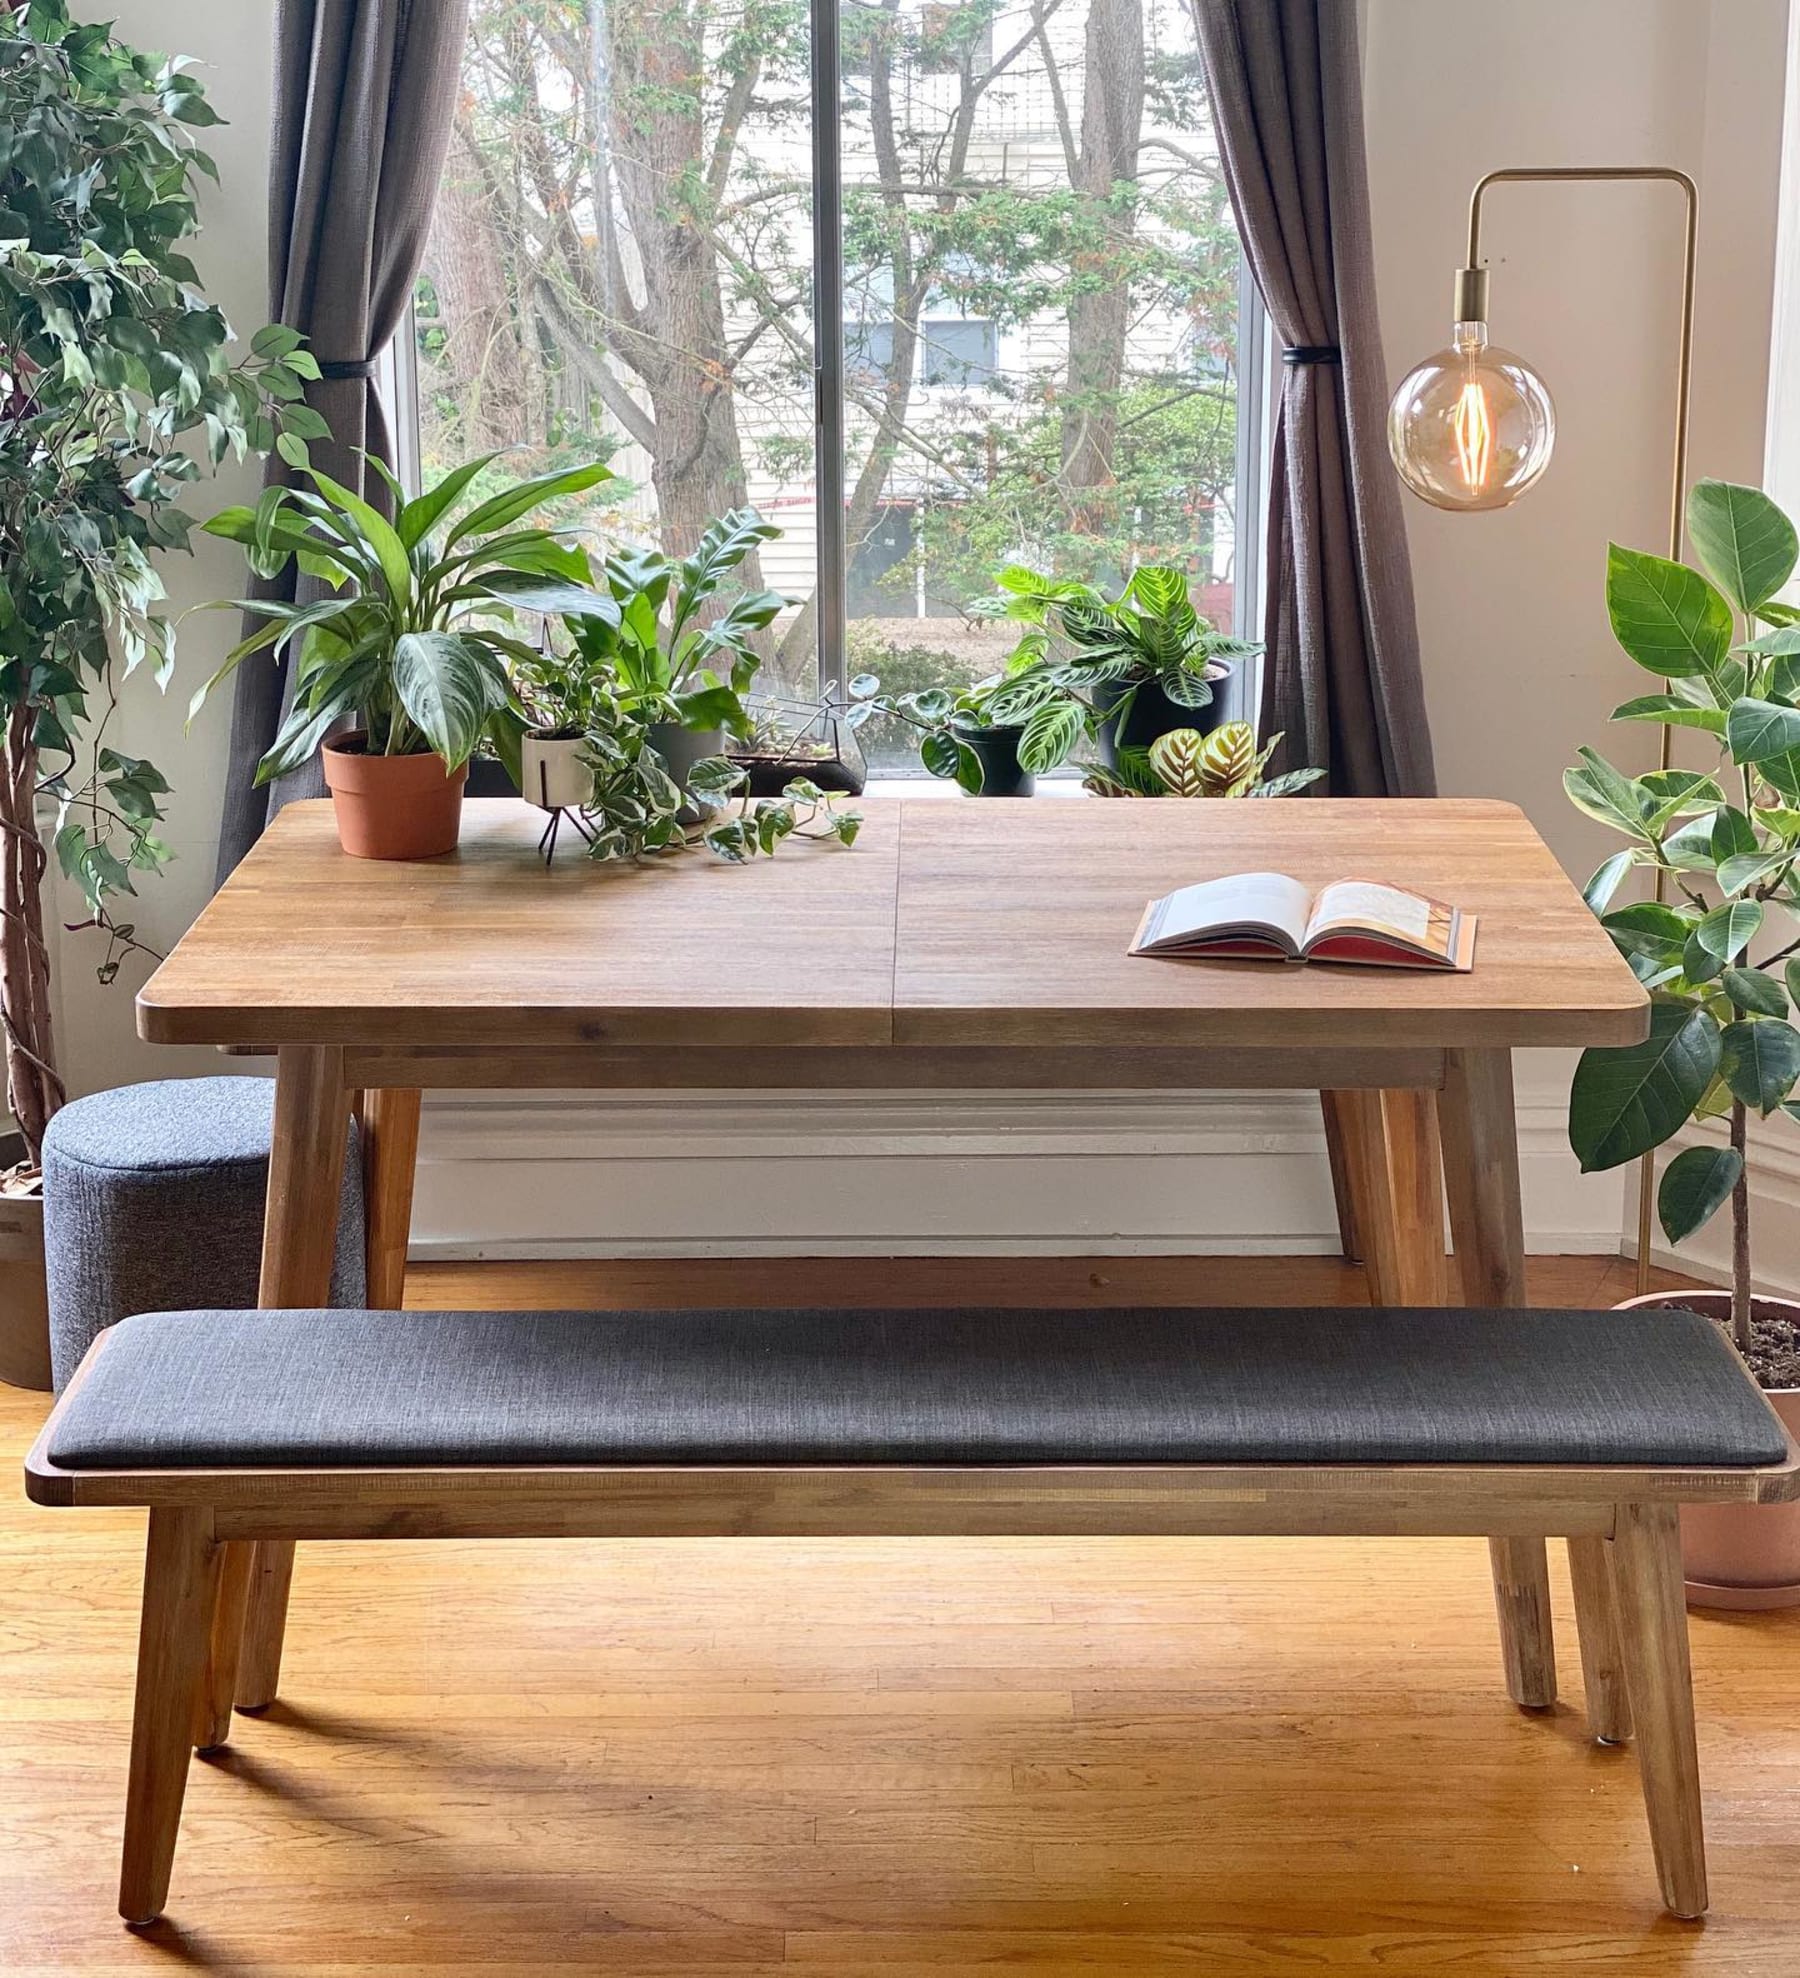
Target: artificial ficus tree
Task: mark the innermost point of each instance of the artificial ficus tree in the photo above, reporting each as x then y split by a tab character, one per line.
1717	948
116	394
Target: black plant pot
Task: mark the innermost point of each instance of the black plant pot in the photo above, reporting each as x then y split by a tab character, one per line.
997	750
1152	714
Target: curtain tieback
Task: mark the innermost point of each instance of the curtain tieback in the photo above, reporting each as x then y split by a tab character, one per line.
1313	353
347	370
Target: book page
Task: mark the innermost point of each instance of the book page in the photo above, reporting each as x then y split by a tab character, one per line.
1246	899
1370	907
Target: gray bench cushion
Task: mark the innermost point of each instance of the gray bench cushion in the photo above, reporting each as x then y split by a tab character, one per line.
305	1389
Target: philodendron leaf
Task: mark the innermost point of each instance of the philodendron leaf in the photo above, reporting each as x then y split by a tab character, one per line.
1755	991
1760	1060
1746	543
1626	1101
1697	1184
1758	731
1666	616
1728	930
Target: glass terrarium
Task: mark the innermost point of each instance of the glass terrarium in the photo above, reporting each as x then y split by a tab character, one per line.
799	738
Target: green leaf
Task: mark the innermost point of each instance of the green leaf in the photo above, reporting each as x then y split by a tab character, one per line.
938	752
505	509
449	685
375	530
1745	542
1626	1101
1672	713
1756	731
1599	890
1760	1060
1791	974
1049	738
1746	869
418	518
1596	788
1695	1186
1666	616
1728	930
1756	991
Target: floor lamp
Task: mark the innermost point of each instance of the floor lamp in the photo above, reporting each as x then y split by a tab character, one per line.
1473	427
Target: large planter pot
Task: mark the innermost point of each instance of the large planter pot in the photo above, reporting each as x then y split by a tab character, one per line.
393	806
997	750
24	1297
1740	1555
1152	714
681	748
556	772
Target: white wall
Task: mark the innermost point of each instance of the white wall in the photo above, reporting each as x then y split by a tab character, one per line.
1520	664
231	38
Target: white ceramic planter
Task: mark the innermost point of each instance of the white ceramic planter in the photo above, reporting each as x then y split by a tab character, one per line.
554	775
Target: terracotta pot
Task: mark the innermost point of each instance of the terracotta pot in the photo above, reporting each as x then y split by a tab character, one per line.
1740	1555
24	1295
556	776
393	806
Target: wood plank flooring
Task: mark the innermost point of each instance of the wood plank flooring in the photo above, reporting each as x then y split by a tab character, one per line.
880	1760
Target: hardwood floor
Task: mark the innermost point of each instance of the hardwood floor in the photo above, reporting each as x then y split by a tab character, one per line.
880	1760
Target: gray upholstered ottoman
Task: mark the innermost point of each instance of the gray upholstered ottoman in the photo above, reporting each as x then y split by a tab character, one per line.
153	1202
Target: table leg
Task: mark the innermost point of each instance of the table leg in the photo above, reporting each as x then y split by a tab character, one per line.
1396	1187
389	1124
1343	1183
1481	1176
306	1177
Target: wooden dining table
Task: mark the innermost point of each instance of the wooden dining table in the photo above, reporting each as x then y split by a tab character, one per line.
958	946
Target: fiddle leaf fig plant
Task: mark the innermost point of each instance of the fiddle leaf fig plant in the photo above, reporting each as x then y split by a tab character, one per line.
1717	946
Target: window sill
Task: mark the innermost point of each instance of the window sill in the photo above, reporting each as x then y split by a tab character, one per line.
936	786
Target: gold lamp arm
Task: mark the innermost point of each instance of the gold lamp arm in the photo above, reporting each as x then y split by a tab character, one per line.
1471	306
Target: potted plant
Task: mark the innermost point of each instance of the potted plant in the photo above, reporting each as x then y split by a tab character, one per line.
412	645
971	738
116	393
1125	669
1187	763
682	665
1717	947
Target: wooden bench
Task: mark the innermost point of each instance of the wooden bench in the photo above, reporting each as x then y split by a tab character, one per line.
235	1428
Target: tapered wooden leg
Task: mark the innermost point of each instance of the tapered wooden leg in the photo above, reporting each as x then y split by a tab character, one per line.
1396	1187
1646	1559
1343	1186
1596	1618
306	1174
389	1125
212	1724
181	1577
1487	1225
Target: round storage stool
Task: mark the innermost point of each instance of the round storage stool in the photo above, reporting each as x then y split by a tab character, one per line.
153	1202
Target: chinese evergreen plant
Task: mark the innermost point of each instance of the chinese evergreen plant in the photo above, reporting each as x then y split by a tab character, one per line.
1717	947
116	393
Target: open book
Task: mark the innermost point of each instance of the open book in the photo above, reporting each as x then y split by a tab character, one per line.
1268	916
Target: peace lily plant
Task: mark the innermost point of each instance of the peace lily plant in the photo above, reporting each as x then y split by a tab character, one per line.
1717	948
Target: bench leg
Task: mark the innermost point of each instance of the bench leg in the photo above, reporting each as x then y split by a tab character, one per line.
224	1654
306	1173
1597	1623
1646	1559
1343	1182
181	1579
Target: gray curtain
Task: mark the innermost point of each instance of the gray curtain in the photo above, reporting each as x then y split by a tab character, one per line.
1342	675
364	95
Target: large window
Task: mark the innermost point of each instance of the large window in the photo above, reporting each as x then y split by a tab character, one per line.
936	286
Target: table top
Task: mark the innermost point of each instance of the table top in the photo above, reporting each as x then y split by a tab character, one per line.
948	924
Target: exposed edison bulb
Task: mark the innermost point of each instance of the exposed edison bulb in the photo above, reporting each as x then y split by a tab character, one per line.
1473	426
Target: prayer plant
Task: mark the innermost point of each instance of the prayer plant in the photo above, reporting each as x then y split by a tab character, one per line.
1717	946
